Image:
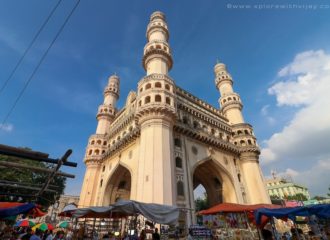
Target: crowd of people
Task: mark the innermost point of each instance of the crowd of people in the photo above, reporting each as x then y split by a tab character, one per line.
297	234
26	233
135	236
23	233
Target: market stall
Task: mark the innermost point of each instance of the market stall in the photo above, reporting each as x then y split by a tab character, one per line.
233	221
319	210
313	214
123	216
158	213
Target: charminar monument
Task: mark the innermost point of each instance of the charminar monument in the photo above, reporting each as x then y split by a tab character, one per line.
165	141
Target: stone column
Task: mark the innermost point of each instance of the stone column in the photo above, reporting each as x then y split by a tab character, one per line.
255	186
90	184
156	171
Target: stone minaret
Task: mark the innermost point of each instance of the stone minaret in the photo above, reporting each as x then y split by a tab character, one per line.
157	56
243	137
229	100
97	143
107	110
156	112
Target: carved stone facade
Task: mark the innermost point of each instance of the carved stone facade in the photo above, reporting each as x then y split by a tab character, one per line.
165	142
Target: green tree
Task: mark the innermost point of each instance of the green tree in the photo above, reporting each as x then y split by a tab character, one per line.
297	197
202	203
29	177
319	198
328	192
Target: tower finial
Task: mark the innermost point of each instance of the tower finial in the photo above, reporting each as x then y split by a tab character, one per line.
218	61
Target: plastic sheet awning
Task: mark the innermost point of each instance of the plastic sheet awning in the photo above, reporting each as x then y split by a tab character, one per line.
68	210
16	209
4	205
158	213
319	210
234	207
8	209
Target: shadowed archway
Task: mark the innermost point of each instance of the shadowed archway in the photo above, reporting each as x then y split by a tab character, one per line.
118	187
218	185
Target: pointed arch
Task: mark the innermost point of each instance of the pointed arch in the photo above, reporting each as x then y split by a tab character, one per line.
118	185
217	181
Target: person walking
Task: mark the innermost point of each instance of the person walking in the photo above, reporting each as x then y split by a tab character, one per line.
27	235
142	235
36	235
155	235
48	235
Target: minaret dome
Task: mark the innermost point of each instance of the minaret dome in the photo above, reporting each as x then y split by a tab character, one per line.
114	79
220	67
157	14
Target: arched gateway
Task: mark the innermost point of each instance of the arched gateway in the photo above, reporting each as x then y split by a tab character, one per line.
164	142
216	180
118	186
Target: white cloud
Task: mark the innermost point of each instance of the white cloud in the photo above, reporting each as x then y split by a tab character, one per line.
306	62
7	127
312	178
303	142
267	155
307	77
265	113
291	172
264	110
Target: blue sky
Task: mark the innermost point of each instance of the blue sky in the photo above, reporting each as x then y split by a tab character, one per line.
269	53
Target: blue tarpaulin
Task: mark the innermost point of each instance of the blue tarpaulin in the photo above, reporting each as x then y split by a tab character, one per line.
12	211
319	210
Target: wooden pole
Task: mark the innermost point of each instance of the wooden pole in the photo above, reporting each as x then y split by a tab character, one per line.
273	228
37	169
84	227
93	228
17	194
110	222
31	155
259	234
51	176
109	227
23	187
27	184
100	220
248	224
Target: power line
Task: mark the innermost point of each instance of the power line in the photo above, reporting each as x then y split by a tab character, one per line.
39	63
29	46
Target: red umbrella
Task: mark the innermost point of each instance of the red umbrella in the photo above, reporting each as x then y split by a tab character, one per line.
25	223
